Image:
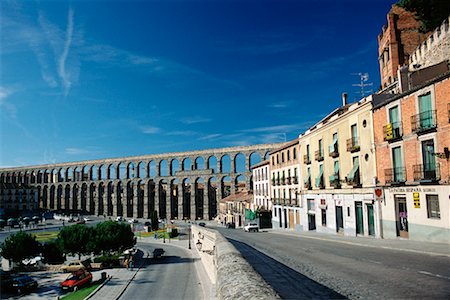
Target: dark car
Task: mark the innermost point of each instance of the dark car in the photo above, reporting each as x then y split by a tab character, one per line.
158	252
77	280
203	224
21	284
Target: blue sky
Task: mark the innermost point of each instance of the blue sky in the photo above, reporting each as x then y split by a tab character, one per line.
97	79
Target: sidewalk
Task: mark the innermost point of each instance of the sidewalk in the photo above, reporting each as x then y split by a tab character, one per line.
392	244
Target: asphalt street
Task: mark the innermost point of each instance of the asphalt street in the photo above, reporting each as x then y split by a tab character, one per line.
298	267
171	277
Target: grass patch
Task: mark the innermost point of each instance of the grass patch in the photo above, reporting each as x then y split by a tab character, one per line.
81	294
46	236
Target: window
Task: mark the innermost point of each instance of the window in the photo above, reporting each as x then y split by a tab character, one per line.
348	211
307	152
397	162
433	207
288	155
320	148
282	157
294	153
311	204
278	160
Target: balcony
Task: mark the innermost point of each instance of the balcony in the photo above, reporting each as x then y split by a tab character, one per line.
319	155
306	159
283	181
395	176
423	122
294	179
334	181
307	184
426	173
287	180
334	150
353	145
392	132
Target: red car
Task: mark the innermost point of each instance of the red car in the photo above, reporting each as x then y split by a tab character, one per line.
77	280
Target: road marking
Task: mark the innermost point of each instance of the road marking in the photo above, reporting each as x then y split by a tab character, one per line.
363	245
434	275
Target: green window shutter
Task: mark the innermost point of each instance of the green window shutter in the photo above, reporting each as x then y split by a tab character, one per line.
355	168
398	164
425	110
318	179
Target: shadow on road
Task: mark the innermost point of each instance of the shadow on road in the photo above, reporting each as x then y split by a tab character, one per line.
287	282
166	260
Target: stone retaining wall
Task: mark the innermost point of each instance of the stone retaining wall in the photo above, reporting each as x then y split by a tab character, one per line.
233	276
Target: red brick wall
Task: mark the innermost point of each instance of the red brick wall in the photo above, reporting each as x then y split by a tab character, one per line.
442	97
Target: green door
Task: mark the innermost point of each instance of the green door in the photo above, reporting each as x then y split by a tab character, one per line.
394	120
371	219
359	218
429	161
425	110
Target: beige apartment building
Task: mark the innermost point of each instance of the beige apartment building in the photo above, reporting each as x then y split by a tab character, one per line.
338	171
284	173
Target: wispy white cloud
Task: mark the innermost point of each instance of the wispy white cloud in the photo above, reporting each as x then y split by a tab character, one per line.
150	129
182	133
194	120
277	128
278	105
65	77
213	136
79	151
5	104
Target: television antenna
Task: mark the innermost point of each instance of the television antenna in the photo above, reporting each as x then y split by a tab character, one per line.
363	78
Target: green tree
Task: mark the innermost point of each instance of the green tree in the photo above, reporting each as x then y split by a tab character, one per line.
154	220
52	253
430	13
113	236
76	239
19	246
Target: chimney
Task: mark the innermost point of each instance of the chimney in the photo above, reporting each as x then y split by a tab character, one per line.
344	99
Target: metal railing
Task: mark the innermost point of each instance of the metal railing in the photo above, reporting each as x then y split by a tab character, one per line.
334	150
353	144
423	121
306	159
395	175
319	155
392	131
426	172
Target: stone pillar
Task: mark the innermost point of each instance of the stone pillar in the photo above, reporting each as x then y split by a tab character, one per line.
193	191
219	165
145	202
125	200
157	198
233	185
169	198
233	164
136	191
180	201
158	169
69	199
136	170
88	199
205	202
114	200
247	162
169	165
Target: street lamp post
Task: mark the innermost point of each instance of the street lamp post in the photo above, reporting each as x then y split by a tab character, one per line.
164	233
189	236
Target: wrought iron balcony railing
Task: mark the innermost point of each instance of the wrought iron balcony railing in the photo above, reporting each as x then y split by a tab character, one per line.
392	131
395	175
353	145
319	155
334	150
306	159
426	172
423	122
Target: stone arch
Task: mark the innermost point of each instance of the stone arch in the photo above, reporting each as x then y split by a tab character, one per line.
186	192
211	163
119	197
140	200
240	182
45	197
84	197
102	172
111	171
75	200
130	170
225	186
141	170
213	188
200	189
121	171
129	198
186	164
91	198
199	163
266	155
255	158
163	168
101	199
175	166
93	173
110	199
239	163
175	200
152	169
162	197
225	164
52	197
59	197
67	206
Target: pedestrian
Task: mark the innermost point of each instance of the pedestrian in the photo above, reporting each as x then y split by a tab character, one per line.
130	262
127	263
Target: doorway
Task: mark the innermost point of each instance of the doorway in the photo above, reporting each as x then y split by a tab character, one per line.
311	222
371	219
339	220
401	216
359	218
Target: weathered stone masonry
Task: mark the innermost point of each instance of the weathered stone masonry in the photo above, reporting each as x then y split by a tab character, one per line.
176	185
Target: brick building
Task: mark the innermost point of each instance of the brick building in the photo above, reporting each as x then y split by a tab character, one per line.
397	41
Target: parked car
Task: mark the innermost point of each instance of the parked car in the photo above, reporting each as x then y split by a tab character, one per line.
20	284
131	221
158	252
119	219
203	224
76	265
148	223
251	227
86	219
77	280
81	221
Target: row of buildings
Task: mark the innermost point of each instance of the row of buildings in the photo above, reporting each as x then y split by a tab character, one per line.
380	166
